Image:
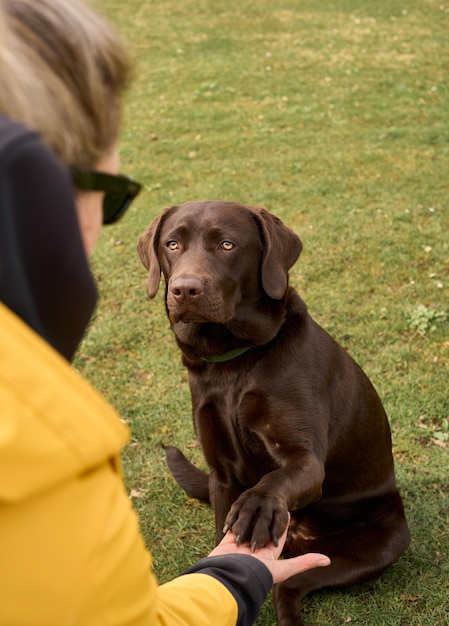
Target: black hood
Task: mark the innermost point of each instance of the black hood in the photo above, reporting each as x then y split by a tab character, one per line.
44	273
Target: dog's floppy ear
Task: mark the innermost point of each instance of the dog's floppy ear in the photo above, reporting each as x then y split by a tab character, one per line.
147	246
281	248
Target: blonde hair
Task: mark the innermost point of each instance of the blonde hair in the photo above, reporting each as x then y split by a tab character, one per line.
62	73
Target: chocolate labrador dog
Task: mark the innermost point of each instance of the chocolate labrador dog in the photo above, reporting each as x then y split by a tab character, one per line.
287	421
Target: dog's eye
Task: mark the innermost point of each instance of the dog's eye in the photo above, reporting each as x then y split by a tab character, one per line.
172	245
227	245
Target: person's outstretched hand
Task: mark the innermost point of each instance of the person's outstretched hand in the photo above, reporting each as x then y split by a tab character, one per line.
269	555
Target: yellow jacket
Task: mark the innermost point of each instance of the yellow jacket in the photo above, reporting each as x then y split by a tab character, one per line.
71	553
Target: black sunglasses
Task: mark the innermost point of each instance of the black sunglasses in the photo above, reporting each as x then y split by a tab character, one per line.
119	190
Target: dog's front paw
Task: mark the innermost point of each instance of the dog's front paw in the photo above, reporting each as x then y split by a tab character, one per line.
257	519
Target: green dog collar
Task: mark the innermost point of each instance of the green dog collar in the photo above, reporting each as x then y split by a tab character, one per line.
227	356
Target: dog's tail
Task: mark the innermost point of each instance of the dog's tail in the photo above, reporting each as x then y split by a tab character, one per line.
194	481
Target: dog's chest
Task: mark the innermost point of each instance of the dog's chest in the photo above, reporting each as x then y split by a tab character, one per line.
234	420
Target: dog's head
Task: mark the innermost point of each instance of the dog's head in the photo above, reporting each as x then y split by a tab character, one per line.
215	256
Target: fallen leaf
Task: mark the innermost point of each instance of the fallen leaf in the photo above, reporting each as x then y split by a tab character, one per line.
136	493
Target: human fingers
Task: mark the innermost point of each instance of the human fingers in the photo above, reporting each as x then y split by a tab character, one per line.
269	555
229	545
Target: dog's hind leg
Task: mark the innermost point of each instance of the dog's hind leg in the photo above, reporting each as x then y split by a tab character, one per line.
357	555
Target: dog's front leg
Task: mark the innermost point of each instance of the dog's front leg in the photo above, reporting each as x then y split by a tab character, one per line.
260	514
221	497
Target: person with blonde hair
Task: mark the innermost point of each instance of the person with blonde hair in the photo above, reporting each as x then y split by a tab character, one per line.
71	550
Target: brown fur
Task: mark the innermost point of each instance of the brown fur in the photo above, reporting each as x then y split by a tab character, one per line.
292	424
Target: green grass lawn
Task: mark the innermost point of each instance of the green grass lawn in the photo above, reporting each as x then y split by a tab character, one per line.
334	116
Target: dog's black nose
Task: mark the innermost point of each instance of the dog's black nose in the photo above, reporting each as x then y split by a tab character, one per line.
186	287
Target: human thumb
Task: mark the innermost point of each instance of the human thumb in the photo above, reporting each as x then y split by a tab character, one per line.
285	568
